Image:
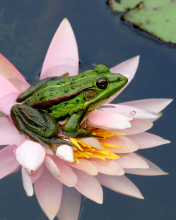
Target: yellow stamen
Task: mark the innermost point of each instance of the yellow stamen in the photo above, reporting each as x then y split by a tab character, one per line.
103	133
77	161
109	145
75	142
87	151
117	133
83	144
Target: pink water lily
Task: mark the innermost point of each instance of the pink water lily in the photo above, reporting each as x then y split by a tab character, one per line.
59	180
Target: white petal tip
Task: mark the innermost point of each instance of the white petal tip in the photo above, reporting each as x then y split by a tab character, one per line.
65	152
127	76
29	194
121	173
166	142
164	173
99	200
140	197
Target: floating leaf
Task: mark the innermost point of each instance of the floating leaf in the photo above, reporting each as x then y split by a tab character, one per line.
122	5
155	17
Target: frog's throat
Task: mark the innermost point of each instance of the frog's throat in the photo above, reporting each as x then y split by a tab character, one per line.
91	108
47	103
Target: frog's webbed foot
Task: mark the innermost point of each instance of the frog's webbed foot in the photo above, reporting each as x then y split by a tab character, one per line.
53	143
82	133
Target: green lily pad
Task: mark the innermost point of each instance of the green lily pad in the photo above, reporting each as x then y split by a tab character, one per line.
123	5
155	17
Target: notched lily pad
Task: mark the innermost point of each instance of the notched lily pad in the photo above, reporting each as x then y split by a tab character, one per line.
155	17
123	5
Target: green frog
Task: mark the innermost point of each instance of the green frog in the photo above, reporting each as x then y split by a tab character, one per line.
56	108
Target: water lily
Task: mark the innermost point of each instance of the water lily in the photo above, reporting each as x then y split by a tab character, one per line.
59	180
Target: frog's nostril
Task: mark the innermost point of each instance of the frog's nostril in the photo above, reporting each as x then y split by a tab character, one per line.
49	111
118	79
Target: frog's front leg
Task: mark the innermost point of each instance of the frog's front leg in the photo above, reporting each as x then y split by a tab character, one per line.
72	127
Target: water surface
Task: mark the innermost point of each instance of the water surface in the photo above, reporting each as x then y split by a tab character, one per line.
26	29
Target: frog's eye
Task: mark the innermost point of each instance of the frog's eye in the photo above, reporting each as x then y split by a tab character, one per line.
102	83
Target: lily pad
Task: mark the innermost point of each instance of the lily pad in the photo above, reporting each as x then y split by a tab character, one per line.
123	5
155	17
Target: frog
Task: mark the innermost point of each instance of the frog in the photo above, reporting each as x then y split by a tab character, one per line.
56	108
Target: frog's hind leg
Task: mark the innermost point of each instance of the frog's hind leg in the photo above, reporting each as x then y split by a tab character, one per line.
38	126
50	144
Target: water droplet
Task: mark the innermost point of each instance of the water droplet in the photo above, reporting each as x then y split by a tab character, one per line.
132	113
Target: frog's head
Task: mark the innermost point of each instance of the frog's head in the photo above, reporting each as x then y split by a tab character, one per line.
105	84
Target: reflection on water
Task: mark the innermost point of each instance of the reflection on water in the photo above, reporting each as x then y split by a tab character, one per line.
26	29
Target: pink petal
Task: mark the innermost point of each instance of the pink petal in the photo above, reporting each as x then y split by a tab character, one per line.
6	103
6	87
126	144
12	74
130	111
137	126
67	176
153	170
85	166
62	55
128	67
52	167
151	105
131	161
48	191
8	133
34	176
70	205
120	184
30	155
8	164
89	186
109	167
147	140
108	120
27	183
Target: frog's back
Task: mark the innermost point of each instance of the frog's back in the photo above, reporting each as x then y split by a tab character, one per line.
65	88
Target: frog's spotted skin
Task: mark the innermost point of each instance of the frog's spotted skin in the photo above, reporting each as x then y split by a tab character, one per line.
64	100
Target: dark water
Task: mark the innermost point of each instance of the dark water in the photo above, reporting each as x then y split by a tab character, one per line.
26	29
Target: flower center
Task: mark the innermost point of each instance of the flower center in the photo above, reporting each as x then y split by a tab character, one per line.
87	151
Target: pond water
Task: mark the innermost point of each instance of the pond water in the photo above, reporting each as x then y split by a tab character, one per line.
26	29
